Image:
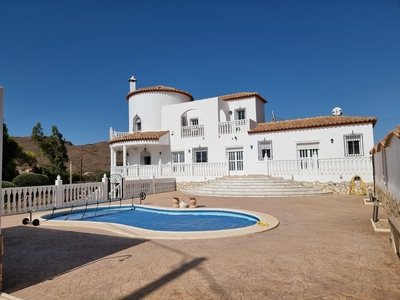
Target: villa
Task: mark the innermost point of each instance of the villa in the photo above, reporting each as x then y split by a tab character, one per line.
171	135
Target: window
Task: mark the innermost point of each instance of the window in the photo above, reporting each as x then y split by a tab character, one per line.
240	114
183	121
353	144
194	122
308	154
307	150
200	155
264	150
137	124
178	157
145	157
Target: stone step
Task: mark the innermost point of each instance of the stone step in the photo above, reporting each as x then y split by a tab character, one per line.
253	186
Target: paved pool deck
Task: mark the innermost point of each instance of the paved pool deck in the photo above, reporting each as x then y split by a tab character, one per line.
323	248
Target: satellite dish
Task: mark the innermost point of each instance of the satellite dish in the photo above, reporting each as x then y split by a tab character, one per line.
337	111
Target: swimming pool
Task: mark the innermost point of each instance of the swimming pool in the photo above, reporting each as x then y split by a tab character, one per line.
161	222
161	219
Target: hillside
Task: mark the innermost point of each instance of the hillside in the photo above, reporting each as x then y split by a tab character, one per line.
95	157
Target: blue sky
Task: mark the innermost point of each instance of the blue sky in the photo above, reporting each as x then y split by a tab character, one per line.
67	63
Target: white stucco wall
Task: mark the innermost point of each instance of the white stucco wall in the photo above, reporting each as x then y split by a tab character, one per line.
208	114
284	142
250	104
148	107
393	168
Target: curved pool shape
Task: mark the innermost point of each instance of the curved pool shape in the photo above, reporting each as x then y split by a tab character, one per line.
161	219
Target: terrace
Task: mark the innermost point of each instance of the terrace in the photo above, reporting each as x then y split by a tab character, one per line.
324	247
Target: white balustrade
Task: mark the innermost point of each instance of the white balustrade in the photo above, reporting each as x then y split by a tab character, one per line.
233	127
177	170
192	131
320	168
23	199
117	134
82	193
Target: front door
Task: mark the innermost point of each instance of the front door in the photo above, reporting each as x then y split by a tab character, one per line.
235	160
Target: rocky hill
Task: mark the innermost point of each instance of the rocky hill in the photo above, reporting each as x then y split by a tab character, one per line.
95	157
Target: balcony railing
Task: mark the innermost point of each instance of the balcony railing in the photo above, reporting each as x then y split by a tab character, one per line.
320	169
116	134
179	170
192	131
233	127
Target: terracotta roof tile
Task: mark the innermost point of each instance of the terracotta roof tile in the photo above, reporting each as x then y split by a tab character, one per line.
139	136
241	95
313	122
158	88
386	140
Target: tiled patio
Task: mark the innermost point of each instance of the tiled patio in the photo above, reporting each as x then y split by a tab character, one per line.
324	248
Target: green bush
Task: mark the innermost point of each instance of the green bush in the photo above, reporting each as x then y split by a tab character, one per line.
31	179
7	184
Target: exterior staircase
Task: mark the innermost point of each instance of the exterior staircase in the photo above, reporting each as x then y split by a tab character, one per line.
253	186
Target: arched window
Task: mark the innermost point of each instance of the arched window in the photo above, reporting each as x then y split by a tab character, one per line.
137	123
145	157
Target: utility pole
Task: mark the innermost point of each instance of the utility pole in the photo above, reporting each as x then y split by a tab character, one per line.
70	172
80	177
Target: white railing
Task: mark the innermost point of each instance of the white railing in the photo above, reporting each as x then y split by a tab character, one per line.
233	127
82	193
117	134
180	170
133	188
192	131
23	199
321	168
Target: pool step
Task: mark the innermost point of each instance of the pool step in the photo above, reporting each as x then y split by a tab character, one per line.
253	186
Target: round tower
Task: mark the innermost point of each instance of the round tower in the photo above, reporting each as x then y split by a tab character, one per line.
145	105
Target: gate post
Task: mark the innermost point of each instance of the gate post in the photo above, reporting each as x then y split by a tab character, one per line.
104	180
59	193
153	185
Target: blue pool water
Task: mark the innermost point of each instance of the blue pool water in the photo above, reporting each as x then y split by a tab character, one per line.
162	220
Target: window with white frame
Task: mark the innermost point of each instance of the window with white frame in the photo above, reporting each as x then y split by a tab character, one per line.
353	144
178	157
137	124
200	155
307	150
240	114
308	154
264	150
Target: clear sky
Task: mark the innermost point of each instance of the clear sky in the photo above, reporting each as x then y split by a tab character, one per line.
67	63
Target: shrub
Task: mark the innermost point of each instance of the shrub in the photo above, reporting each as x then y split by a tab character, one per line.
7	184
31	179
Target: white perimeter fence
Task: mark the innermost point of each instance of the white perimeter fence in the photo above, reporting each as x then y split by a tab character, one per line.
25	199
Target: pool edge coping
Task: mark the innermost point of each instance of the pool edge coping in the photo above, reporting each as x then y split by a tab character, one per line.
268	222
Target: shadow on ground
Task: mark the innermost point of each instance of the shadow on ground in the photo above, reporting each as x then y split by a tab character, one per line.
36	254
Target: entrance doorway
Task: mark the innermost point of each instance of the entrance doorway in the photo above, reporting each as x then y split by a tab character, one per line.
235	161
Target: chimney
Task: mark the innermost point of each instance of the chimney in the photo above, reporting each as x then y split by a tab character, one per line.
132	84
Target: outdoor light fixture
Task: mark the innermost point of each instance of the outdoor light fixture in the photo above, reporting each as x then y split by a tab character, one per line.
251	146
332	141
160	152
189	150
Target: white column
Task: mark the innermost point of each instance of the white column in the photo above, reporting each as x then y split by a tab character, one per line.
112	163
124	155
59	201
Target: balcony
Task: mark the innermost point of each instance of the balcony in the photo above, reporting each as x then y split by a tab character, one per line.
233	127
192	131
